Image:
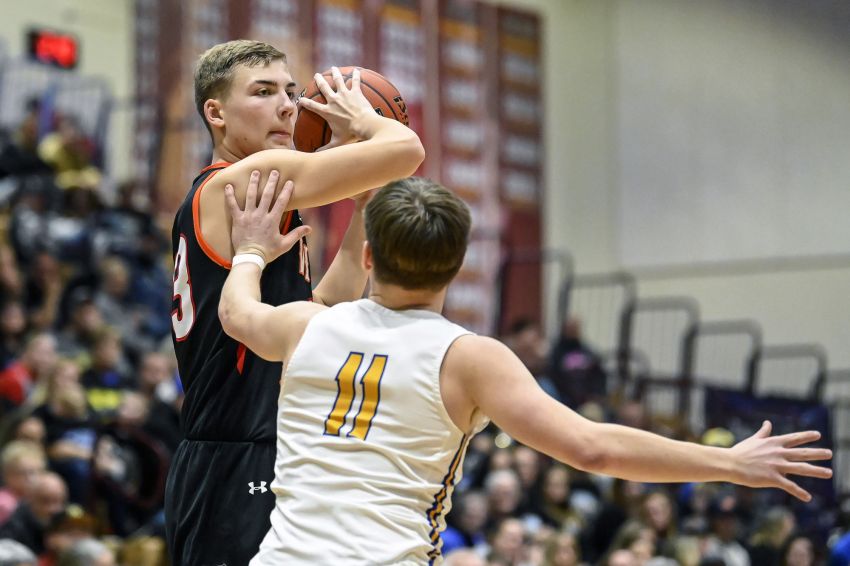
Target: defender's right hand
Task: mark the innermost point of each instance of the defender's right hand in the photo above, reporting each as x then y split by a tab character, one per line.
344	109
256	229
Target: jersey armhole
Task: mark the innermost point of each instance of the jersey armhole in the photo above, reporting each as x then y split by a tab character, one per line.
196	220
442	410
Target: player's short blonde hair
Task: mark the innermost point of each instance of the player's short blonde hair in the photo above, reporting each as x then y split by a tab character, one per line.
215	67
418	231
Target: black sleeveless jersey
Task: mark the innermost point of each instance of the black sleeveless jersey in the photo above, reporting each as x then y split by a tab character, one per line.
230	393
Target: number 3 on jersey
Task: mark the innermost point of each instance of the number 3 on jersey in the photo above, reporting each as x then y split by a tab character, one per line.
370	396
183	317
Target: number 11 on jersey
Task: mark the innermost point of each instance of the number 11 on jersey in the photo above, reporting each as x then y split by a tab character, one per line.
370	395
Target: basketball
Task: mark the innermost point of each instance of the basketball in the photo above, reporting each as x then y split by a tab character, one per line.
312	131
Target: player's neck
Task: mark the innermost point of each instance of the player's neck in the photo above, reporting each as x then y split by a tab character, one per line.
221	153
397	298
225	150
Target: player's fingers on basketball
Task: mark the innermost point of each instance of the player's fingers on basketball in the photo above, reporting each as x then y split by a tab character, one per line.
268	191
794	489
251	193
324	87
355	79
798	438
308	103
339	83
809	454
282	199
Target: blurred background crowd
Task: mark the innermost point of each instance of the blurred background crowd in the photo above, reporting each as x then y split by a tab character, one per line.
90	396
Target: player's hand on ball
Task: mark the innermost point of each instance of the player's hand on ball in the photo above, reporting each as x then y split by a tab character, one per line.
766	461
344	106
256	229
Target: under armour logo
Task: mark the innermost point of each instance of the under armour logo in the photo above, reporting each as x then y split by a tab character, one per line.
261	487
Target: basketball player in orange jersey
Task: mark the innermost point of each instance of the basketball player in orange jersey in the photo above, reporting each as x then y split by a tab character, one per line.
217	500
380	396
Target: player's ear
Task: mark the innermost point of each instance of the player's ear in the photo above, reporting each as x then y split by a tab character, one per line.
214	113
366	259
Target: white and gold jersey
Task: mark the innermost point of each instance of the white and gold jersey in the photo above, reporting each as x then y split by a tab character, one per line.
367	455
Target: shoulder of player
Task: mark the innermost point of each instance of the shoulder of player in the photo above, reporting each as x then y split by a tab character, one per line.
472	354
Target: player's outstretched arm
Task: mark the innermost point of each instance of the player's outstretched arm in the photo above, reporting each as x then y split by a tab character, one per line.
487	375
345	279
270	332
388	151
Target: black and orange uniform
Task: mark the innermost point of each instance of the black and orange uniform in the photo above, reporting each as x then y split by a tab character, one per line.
217	499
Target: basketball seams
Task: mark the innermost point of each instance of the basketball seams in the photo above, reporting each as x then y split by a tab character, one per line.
390	106
381	89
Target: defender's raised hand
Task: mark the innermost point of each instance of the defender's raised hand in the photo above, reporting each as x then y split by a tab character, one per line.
766	461
256	229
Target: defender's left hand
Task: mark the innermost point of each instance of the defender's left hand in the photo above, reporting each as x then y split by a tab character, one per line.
256	229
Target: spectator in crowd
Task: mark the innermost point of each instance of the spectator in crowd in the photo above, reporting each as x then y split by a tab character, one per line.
30	521
622	558
553	505
563	549
27	427
840	548
28	132
13	325
632	413
464	557
130	467
798	551
636	537
30	226
44	291
527	463
70	154
107	378
20	376
503	495
525	339
21	462
466	522
575	369
71	434
13	553
622	504
114	301
84	325
767	541
87	552
156	385
658	512
70	525
723	541
11	279
507	542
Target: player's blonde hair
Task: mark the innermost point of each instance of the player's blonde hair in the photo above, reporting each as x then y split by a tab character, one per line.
418	231
215	67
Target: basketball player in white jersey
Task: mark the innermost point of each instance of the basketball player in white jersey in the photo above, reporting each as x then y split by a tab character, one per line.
380	396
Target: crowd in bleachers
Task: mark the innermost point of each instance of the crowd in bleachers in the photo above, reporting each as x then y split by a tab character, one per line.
90	404
88	389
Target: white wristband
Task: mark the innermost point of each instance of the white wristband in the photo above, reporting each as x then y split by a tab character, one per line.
249	258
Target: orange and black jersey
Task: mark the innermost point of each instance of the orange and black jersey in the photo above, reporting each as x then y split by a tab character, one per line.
230	393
